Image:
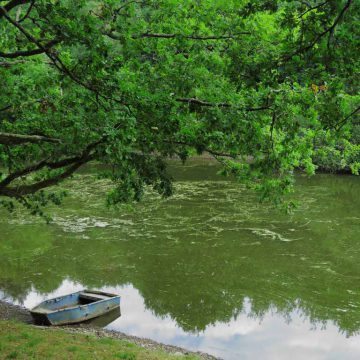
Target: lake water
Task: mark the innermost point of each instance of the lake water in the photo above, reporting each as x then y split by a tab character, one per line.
209	269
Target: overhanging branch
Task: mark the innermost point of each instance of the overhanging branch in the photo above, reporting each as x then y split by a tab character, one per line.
28	11
329	31
150	35
313	8
50	164
8	64
199	102
16	139
13	3
55	60
73	164
340	124
33	52
190	37
24	190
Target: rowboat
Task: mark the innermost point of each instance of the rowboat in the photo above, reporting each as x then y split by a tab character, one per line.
74	308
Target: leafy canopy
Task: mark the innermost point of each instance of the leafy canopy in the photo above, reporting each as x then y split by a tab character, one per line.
263	86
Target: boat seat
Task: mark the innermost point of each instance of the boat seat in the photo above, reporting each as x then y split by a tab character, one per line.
92	297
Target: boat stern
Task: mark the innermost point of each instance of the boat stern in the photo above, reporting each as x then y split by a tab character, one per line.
40	318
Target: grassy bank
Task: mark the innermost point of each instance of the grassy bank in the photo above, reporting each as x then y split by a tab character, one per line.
20	341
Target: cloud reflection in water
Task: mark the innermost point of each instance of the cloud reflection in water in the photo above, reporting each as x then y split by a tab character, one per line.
270	338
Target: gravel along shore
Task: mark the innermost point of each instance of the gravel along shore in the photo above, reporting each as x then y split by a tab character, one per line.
13	312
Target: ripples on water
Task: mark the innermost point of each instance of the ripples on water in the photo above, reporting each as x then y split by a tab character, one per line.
209	268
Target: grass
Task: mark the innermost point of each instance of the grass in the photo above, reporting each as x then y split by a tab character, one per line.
20	341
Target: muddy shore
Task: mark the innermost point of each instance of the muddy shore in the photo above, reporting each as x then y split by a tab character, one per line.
14	312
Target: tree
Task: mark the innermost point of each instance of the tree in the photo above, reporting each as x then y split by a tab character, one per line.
131	83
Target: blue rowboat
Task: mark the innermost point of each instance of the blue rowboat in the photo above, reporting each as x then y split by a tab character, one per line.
74	308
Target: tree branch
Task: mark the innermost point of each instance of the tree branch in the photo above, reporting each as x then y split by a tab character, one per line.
190	37
40	165
8	64
179	36
57	62
118	10
199	102
51	165
313	8
329	30
340	124
23	190
202	102
16	139
7	107
28	11
74	163
33	52
11	4
54	59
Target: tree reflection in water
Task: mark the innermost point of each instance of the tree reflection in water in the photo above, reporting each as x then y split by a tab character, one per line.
200	257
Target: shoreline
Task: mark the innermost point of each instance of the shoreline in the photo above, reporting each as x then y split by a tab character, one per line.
11	312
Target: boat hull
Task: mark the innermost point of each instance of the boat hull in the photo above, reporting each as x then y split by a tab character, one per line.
68	309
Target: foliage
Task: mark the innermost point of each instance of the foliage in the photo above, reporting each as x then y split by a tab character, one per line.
337	155
131	83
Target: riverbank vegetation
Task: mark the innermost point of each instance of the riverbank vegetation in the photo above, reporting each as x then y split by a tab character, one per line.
132	83
20	341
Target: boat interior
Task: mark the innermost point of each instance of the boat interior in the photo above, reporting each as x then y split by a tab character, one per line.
90	297
69	301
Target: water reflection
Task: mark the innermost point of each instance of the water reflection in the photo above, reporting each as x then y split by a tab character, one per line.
243	337
209	269
104	320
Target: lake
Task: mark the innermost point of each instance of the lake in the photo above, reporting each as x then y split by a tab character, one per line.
209	269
